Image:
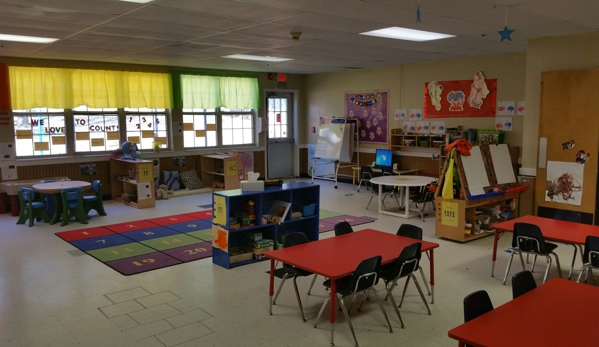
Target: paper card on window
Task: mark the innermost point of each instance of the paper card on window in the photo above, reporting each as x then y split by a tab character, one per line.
24	134
211	127
81	136
41	146
59	140
200	133
161	140
97	142
7	151
134	139
187	126
147	134
112	135
9	170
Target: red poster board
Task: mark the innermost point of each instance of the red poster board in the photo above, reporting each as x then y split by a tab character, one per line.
4	90
464	98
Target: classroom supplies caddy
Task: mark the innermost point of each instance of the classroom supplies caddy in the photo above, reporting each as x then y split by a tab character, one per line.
239	215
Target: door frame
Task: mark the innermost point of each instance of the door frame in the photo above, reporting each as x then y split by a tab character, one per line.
295	95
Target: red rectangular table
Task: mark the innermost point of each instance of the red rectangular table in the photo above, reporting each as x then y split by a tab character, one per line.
557	313
338	256
552	229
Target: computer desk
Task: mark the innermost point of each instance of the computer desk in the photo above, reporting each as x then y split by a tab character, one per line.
338	256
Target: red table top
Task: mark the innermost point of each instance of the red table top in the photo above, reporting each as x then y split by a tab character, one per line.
553	229
557	313
339	256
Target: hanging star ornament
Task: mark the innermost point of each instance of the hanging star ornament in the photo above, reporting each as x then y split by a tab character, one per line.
505	34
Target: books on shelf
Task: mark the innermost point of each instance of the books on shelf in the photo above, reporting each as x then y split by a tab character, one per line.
280	209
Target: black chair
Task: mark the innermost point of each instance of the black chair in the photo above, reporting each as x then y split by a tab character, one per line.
366	174
569	216
415	232
363	280
476	304
403	267
522	283
530	240
423	198
590	257
289	271
343	228
387	171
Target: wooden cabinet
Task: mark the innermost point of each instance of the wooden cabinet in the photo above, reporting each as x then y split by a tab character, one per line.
401	141
132	182
225	169
229	204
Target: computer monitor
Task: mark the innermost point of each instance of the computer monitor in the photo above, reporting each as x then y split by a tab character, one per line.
383	157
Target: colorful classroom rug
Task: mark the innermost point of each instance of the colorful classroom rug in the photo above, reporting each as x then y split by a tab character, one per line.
139	246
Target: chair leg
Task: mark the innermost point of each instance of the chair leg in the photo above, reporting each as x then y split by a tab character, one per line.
421	293
389	288
359	185
547	269
584	269
274	300
299	301
405	288
559	268
351	327
420	210
312	284
371	196
428	288
324	305
507	270
378	299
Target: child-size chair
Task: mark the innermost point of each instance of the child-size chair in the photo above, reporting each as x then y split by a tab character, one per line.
29	209
72	205
94	202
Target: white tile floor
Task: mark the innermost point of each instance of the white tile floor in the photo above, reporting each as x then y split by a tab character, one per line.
54	295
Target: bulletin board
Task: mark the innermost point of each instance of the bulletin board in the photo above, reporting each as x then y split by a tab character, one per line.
569	124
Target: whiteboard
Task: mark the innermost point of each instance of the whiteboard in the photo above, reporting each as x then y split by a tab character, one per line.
502	163
474	169
335	141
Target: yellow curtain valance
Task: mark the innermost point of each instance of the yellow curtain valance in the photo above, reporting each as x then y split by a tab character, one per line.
32	87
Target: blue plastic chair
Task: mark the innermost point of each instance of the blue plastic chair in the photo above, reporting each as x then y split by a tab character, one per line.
94	202
29	209
72	205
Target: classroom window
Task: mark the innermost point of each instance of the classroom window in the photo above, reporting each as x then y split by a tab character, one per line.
277	118
146	127
96	129
237	127
40	132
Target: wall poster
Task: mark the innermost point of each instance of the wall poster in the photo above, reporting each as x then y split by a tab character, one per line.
564	182
371	109
463	98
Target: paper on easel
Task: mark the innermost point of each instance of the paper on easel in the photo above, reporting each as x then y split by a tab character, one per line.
9	170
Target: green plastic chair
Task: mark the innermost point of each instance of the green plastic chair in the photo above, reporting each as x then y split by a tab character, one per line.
94	202
29	209
72	205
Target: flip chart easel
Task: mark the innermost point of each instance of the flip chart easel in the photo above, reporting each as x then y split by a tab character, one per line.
334	146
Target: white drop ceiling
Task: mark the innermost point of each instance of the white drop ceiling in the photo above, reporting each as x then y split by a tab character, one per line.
197	33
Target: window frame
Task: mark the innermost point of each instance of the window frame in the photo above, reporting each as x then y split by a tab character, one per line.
219	112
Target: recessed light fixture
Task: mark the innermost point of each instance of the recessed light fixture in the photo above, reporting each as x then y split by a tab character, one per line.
21	38
255	57
407	34
139	1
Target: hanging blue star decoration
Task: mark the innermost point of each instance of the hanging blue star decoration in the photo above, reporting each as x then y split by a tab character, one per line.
418	14
505	34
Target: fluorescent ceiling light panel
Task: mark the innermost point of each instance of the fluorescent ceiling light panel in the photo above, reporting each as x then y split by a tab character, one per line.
255	57
20	38
139	1
407	34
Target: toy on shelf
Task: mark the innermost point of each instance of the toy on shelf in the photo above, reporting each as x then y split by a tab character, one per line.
247	207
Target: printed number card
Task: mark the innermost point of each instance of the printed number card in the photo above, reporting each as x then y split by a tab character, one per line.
449	213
